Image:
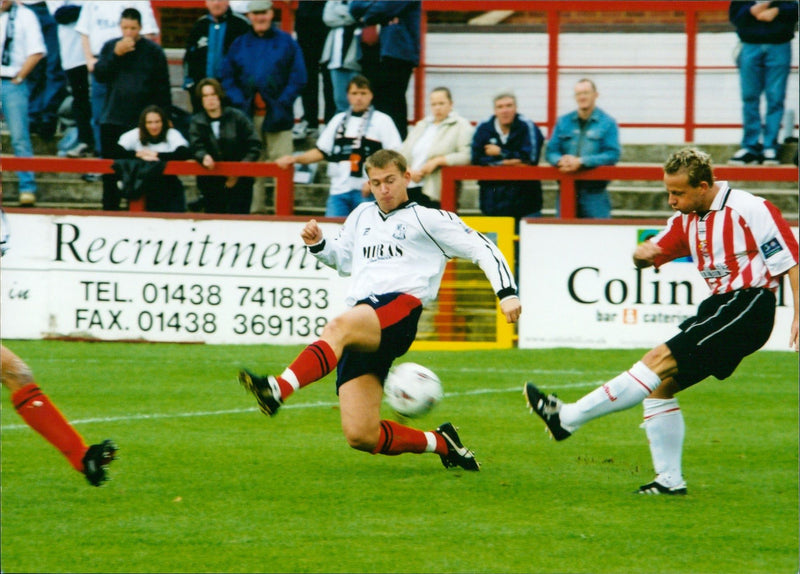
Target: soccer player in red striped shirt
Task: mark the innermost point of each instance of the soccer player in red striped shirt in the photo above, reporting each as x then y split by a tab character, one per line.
742	247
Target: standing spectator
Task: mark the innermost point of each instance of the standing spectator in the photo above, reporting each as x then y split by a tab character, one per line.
97	24
508	138
134	71
396	252
155	140
341	51
263	75
346	142
399	41
743	247
311	33
583	139
766	30
443	138
21	48
73	61
48	82
222	133
209	40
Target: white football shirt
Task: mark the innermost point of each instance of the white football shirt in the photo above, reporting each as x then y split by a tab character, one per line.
406	251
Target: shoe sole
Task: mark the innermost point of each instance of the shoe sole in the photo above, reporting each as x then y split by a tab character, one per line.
246	381
98	476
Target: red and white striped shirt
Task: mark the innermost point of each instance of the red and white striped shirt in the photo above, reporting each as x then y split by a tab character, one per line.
743	241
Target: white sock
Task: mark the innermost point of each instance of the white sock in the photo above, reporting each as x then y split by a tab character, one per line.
431	438
289	376
620	393
663	423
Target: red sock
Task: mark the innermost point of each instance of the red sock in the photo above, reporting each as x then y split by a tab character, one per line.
397	439
43	417
313	363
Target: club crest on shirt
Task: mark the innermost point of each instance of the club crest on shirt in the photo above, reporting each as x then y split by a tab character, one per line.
771	247
400	232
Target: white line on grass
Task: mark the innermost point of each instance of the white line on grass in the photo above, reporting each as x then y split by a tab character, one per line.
152	416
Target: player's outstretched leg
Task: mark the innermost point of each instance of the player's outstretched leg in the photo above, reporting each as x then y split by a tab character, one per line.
457	453
264	389
96	461
548	408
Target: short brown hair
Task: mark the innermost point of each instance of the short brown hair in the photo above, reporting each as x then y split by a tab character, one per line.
695	163
385	158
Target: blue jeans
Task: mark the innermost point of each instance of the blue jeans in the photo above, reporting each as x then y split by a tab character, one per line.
49	83
763	68
14	104
589	204
98	100
340	78
341	204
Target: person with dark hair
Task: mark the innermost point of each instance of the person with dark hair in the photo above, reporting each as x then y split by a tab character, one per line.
155	140
396	251
346	142
742	247
222	133
208	42
134	70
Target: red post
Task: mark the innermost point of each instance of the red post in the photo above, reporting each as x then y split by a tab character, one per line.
691	73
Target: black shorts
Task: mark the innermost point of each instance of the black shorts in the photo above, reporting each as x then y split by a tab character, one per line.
398	314
726	329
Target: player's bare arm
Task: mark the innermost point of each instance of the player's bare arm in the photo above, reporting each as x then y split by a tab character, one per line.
794	282
645	254
311	233
511	307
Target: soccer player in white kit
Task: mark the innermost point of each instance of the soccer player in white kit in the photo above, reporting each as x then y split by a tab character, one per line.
395	252
742	247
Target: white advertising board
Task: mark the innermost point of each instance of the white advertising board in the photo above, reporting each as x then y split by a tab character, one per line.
183	280
579	288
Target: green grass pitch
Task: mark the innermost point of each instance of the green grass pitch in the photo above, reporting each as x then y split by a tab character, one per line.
206	483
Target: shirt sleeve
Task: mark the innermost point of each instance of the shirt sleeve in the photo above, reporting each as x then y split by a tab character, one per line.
673	241
776	242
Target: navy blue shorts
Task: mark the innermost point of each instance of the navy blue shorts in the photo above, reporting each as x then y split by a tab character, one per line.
398	314
726	329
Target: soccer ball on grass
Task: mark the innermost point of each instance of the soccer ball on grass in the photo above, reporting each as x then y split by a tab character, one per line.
412	390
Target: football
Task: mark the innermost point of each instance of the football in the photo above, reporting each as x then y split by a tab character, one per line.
412	390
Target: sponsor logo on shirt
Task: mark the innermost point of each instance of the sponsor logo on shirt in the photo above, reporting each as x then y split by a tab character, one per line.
382	251
771	247
722	271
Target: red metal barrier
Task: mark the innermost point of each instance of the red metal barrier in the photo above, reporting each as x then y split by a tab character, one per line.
649	172
284	178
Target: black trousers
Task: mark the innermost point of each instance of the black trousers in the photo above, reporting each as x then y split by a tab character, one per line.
109	135
311	36
78	79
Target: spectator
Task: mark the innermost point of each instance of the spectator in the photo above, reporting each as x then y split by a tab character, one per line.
73	62
341	50
21	48
97	24
209	40
311	33
134	70
508	138
583	139
399	41
441	139
155	140
346	142
766	30
222	133
263	74
47	81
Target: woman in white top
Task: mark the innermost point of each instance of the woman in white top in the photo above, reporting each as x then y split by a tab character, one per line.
156	140
441	139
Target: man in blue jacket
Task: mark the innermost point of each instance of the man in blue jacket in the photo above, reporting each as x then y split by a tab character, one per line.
583	139
399	45
766	30
508	138
263	74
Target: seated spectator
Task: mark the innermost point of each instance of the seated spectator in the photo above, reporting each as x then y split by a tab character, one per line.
441	139
585	138
208	42
155	140
508	138
346	142
222	133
